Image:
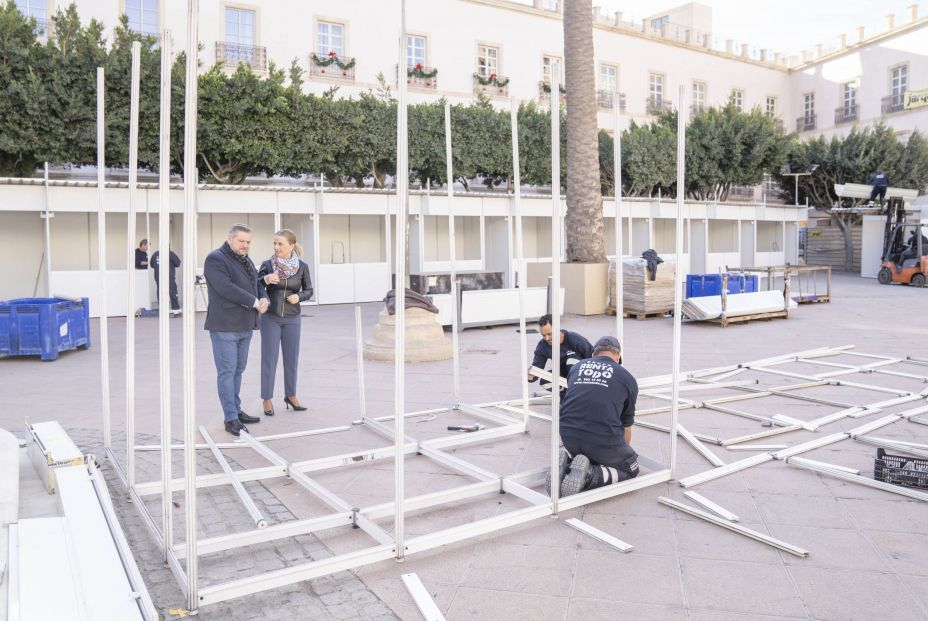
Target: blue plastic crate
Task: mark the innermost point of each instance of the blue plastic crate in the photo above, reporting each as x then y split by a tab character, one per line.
43	326
700	285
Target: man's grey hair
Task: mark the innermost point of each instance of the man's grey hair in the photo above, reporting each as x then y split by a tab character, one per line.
239	228
607	348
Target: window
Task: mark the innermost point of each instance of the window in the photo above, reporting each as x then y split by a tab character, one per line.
143	16
737	98
656	24
771	106
240	27
849	98
546	63
33	8
699	95
487	61
550	5
330	37
415	50
808	106
656	89
899	82
608	78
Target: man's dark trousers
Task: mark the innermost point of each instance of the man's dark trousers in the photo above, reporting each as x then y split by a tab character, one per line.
230	353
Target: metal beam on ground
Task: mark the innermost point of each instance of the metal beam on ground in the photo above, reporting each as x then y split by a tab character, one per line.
711	506
424	602
599	535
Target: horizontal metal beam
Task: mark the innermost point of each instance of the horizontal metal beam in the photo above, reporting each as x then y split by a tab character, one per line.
701	448
805	464
759	435
741	530
720	511
729	468
811	445
599	535
246	500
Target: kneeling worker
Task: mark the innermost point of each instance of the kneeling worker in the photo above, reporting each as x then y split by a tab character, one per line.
596	422
573	349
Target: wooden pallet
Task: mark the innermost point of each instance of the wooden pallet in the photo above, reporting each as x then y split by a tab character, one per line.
724	321
640	316
812	299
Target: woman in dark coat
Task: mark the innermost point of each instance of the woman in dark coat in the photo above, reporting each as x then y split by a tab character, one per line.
286	278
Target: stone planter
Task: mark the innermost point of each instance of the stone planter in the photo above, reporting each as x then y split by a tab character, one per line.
425	338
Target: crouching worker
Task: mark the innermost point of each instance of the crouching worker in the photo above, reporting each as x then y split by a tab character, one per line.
596	422
573	349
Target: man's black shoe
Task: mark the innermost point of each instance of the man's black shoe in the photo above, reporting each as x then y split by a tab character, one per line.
562	467
234	427
578	479
245	418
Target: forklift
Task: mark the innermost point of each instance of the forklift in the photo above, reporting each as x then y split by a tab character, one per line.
904	249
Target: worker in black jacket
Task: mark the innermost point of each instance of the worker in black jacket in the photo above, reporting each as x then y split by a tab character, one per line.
879	181
141	255
573	349
596	421
172	280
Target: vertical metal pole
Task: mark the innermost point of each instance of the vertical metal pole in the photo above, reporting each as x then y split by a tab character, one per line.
520	256
130	261
277	223
359	337
164	331
455	324
101	264
190	261
402	218
555	277
619	300
48	236
678	281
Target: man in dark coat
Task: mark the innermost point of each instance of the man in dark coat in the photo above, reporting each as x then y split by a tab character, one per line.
172	277
141	255
596	421
879	181
236	297
573	349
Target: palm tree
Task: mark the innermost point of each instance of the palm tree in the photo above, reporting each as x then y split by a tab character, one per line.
584	221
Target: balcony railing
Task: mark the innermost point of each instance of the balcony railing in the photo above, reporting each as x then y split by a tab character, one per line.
233	54
332	66
606	99
656	105
846	114
421	76
492	85
805	123
544	92
893	103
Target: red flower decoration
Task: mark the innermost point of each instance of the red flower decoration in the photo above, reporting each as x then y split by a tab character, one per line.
492	76
331	52
419	66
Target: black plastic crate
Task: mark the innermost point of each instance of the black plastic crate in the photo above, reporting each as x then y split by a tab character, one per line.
900	470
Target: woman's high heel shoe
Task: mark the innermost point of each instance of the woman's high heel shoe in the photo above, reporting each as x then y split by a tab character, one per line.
291	404
268	412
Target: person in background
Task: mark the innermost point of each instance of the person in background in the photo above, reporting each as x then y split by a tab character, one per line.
287	281
879	181
235	300
141	255
172	277
574	348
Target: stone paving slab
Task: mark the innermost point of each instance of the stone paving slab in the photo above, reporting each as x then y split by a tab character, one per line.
867	546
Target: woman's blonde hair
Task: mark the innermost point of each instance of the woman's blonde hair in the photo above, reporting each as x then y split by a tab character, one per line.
290	236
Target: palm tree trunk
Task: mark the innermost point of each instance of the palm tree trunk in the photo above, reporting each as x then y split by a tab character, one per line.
584	221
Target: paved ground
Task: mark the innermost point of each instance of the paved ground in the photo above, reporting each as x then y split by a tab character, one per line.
868	547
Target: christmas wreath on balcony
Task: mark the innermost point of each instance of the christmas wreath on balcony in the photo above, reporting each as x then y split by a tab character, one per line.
418	71
547	88
332	59
491	80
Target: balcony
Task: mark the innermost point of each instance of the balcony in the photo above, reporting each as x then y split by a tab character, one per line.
606	99
893	103
846	114
657	105
332	66
491	86
421	76
544	92
233	54
805	123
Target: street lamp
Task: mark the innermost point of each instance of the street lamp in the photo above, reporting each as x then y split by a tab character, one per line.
785	172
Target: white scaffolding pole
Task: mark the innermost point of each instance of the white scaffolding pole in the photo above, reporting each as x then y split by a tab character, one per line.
130	261
555	276
619	300
48	236
402	217
455	346
678	282
359	345
520	255
189	307
164	331
101	264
